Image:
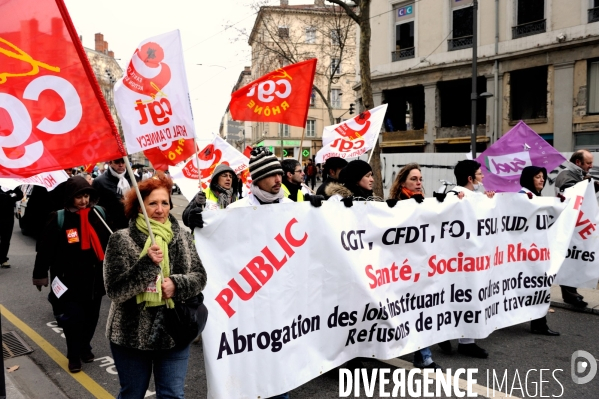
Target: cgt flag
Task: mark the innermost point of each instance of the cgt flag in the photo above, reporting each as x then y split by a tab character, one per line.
353	137
153	96
170	154
281	96
52	112
502	163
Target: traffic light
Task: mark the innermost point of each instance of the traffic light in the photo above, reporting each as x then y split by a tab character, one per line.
351	108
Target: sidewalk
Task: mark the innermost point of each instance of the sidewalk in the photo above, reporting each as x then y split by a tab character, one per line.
590	296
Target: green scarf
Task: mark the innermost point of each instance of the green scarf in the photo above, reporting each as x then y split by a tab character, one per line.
163	235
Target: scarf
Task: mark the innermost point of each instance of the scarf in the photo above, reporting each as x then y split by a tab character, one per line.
163	235
123	185
225	197
408	193
89	237
265	197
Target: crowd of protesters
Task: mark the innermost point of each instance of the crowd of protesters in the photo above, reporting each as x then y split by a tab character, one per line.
96	242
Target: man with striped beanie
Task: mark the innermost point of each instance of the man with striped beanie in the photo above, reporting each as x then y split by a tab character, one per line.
267	175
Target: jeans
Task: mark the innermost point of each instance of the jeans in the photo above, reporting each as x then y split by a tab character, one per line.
79	323
423	357
135	368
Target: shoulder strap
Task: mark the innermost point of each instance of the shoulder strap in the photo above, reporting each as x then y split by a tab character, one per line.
60	218
100	211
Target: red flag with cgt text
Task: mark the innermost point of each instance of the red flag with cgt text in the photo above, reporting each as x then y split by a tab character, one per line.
52	112
281	96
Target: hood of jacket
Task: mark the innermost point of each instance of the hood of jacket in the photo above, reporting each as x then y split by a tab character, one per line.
335	188
222	168
78	185
527	178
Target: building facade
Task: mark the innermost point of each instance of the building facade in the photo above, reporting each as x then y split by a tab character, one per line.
287	34
234	132
538	58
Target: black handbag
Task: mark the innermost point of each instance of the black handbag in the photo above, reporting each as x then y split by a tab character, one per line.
186	320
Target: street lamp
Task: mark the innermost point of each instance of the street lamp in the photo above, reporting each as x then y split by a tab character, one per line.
474	96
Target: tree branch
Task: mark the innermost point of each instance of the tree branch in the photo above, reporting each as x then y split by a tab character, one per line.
347	9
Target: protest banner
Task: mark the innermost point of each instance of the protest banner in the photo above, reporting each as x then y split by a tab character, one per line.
312	288
352	138
54	115
153	97
48	180
581	266
218	152
503	162
281	96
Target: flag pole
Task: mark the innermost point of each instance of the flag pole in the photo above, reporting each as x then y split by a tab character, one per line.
199	171
140	199
375	141
302	145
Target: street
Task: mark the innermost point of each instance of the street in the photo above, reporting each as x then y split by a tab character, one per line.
513	349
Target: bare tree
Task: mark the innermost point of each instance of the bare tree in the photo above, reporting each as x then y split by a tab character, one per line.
284	35
359	12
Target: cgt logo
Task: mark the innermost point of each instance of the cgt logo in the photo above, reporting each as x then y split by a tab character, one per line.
268	89
583	362
355	128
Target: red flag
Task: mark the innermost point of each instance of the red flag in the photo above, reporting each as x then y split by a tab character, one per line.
248	151
175	153
52	112
280	96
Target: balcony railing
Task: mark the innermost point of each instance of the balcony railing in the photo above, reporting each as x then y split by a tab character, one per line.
593	14
403	54
459	43
529	29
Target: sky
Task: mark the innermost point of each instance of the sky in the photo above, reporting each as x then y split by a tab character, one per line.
222	52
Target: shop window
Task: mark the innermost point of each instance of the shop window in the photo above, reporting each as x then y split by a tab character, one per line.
528	97
593	87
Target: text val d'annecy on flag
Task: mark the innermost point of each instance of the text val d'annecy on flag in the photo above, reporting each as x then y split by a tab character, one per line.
152	98
281	96
52	112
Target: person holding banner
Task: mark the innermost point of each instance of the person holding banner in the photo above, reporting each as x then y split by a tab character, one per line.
142	279
407	185
576	171
222	192
72	248
293	180
533	180
355	183
111	187
332	168
267	175
469	179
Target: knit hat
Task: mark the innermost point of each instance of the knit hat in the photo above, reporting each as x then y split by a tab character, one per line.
263	164
354	172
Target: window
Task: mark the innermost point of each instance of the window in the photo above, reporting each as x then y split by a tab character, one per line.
528	93
593	87
404	41
283	32
336	37
313	98
594	12
462	28
531	18
283	130
310	128
336	98
335	66
310	35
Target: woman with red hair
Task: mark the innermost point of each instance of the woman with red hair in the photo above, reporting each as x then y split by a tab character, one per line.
142	280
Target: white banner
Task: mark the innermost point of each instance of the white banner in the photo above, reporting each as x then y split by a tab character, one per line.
49	180
216	153
300	290
352	138
153	97
581	267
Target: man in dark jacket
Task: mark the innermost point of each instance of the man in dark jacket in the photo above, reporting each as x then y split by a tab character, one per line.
332	168
111	186
72	248
7	220
576	171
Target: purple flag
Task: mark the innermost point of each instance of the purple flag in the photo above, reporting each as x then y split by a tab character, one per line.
502	163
